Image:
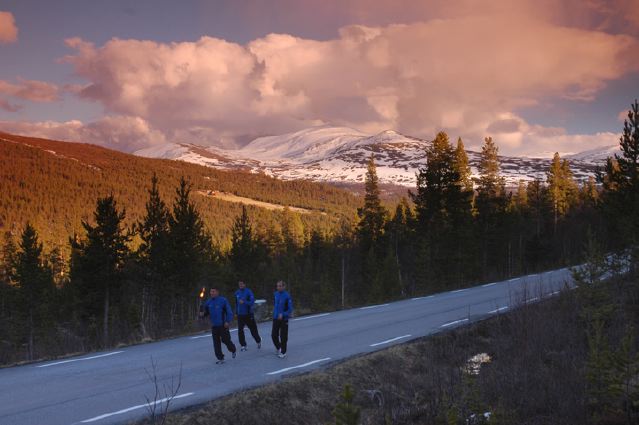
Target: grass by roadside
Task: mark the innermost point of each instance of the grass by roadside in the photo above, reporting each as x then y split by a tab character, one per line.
543	370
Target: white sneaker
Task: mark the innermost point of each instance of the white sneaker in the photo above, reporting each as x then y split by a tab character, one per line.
243	349
220	361
281	355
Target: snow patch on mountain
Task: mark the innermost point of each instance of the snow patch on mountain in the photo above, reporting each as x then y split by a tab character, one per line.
340	154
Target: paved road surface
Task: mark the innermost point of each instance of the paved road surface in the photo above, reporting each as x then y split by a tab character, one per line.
112	387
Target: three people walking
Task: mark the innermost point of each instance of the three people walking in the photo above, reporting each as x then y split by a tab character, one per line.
220	313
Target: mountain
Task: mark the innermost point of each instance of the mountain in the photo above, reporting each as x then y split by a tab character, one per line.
54	185
596	156
339	155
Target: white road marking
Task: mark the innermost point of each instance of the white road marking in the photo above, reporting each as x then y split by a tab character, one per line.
373	306
421	298
532	299
514	279
453	323
532	275
297	367
80	360
208	335
458	290
498	309
389	340
489	284
554	293
139	406
311	317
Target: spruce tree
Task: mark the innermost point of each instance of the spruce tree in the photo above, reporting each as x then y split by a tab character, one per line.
243	249
491	204
154	257
35	286
620	179
99	263
562	188
190	252
372	215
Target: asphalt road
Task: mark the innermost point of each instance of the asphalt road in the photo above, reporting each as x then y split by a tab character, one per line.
114	387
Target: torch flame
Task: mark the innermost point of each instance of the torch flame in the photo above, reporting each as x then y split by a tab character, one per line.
202	293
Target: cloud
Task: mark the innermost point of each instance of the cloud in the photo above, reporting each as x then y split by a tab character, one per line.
33	90
126	134
458	74
8	29
7	106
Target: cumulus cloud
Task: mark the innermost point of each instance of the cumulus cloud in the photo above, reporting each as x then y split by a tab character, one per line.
127	134
458	74
8	29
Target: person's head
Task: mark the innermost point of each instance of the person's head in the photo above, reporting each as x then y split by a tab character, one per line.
241	284
281	285
214	292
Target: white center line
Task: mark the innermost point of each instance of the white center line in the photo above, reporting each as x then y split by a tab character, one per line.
498	310
311	317
139	406
80	360
297	367
453	323
489	284
389	340
373	306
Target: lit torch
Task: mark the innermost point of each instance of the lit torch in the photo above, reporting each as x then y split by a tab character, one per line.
202	292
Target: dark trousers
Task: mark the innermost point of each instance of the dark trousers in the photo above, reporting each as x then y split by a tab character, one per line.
249	321
221	335
280	334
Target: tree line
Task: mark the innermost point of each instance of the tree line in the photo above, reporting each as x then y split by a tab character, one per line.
129	281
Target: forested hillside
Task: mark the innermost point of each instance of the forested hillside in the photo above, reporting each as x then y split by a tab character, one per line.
143	246
54	185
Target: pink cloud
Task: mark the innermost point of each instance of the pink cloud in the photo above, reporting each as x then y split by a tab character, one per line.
126	134
5	105
459	74
33	90
8	29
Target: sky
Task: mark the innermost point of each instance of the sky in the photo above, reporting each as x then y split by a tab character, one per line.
538	76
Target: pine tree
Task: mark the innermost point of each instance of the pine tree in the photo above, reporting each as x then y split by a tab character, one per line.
620	179
346	413
190	252
35	285
243	249
491	205
462	166
443	209
99	262
154	258
372	215
562	188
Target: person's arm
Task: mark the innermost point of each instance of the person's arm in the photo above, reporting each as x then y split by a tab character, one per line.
251	299
289	310
229	314
205	311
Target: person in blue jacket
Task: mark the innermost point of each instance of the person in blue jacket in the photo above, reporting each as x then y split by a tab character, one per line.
219	311
244	300
282	310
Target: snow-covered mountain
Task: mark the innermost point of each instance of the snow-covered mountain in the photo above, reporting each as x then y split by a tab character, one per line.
340	154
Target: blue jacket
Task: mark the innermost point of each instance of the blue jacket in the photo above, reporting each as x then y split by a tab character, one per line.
219	311
283	305
249	299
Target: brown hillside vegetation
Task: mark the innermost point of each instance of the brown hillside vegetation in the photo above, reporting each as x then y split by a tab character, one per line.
54	185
